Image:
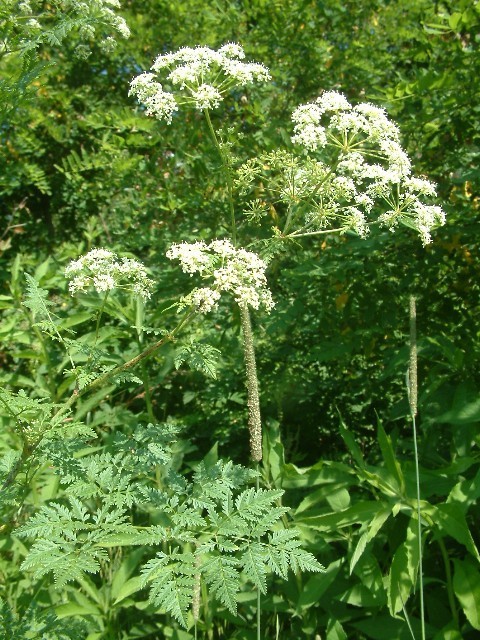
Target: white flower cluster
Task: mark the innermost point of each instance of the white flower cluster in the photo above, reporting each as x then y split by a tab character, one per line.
370	165
99	11
102	269
199	76
237	271
89	20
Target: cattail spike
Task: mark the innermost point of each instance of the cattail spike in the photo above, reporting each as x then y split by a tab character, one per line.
253	401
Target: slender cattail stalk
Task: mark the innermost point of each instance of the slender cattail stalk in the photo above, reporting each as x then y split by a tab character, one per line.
412	397
253	401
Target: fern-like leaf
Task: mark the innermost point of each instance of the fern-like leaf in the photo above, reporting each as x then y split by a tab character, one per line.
34	623
198	356
36	299
221	575
172	580
252	503
253	562
64	559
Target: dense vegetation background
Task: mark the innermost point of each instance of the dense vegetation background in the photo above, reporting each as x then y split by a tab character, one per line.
81	167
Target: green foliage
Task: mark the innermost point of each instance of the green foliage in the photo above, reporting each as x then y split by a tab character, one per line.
234	531
200	357
34	622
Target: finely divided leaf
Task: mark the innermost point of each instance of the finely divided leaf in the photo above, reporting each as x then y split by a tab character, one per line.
221	575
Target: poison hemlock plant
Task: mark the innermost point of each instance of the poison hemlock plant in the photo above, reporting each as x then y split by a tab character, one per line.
344	172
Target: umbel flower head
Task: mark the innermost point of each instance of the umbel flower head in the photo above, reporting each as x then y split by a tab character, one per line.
197	76
371	168
102	269
237	271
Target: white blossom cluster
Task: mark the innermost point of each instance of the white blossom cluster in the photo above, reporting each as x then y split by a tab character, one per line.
197	76
370	166
240	272
52	22
102	269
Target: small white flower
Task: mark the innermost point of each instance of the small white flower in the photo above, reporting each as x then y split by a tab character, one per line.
238	271
205	299
104	282
193	257
101	269
232	50
357	221
121	26
332	101
201	77
206	97
222	247
420	186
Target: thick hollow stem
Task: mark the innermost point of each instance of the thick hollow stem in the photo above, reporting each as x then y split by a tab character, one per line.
253	401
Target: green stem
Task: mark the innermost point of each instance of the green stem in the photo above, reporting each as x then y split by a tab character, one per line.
448	576
98	382
259	595
99	317
228	175
322	232
139	317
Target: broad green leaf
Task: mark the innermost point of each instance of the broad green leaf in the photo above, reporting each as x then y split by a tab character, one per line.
320	496
76	609
338	499
449	518
399	583
358	596
211	458
125	570
372	528
319	474
465	493
389	458
383	627
273	453
335	630
6	302
370	574
360	513
462	415
411	545
315	586
466	584
454	20
128	588
351	443
75	318
449	632
42	269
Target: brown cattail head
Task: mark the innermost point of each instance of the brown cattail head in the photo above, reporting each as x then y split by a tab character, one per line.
253	401
412	369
